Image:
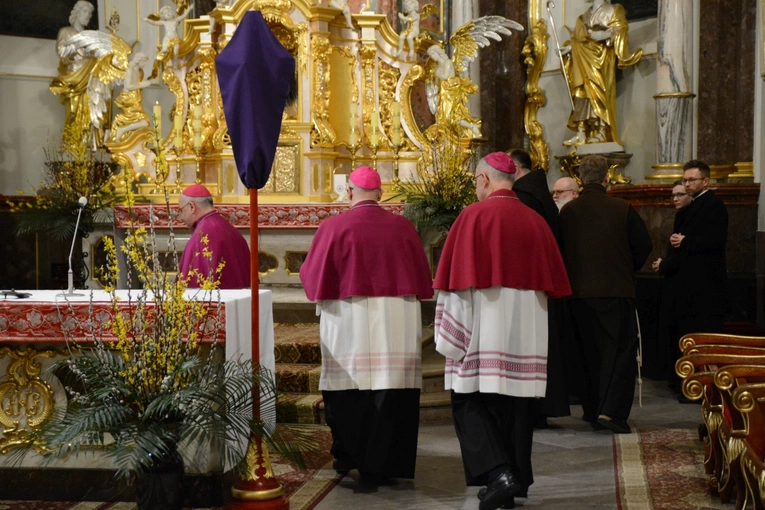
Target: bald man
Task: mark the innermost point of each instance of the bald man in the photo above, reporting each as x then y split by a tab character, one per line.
564	191
367	272
499	264
213	232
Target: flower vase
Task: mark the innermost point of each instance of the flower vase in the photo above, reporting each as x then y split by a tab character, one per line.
161	488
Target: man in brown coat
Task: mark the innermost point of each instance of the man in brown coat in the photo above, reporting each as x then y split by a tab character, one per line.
604	242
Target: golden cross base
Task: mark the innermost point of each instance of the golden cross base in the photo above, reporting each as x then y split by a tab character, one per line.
257	487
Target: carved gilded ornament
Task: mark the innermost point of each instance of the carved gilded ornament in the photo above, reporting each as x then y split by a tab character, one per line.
201	84
322	134
368	94
285	173
535	53
388	78
416	73
273	10
26	401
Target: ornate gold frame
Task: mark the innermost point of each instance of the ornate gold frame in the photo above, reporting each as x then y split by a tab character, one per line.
535	54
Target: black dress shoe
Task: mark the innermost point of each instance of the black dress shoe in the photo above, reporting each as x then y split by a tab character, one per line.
615	426
508	504
500	491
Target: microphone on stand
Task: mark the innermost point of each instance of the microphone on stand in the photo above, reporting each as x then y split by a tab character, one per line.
82	202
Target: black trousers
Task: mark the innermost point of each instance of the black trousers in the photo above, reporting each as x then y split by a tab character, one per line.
494	430
375	430
555	402
606	335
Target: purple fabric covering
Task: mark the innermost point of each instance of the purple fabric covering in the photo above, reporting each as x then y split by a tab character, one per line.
255	74
367	252
226	244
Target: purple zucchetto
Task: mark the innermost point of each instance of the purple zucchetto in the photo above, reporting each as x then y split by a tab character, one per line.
366	177
501	161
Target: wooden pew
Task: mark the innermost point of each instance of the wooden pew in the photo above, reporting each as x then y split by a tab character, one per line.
734	428
698	369
749	399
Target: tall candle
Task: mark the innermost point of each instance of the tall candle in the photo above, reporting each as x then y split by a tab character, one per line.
178	122
396	135
158	118
197	124
373	138
353	138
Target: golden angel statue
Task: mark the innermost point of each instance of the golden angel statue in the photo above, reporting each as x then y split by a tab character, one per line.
590	58
448	90
92	62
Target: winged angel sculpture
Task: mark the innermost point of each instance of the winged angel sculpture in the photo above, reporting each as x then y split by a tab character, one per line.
447	89
110	54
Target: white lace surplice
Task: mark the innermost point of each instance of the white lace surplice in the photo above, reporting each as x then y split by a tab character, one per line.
370	343
494	340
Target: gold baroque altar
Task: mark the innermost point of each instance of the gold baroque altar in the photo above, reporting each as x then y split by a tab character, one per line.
342	73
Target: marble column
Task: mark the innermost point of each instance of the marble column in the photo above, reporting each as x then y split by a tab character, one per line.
462	12
674	84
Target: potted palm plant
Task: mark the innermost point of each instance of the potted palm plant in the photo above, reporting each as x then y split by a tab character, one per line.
146	385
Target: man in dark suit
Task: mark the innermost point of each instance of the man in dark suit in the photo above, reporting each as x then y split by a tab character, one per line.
604	242
531	188
700	251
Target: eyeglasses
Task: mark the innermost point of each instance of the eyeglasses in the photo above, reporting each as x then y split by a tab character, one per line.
180	209
557	192
690	180
476	176
678	195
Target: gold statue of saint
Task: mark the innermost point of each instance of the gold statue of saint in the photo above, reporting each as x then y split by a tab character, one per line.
599	39
75	66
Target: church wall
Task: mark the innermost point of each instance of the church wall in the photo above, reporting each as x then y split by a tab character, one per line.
31	113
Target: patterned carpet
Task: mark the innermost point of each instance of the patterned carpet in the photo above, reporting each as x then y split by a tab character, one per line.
303	488
662	470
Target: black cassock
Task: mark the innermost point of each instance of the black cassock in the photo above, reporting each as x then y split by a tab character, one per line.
375	431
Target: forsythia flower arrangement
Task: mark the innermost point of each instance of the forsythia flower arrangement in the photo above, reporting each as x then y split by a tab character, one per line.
162	384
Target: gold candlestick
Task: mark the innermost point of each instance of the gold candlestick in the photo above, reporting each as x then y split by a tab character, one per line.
178	182
373	147
396	147
353	148
198	155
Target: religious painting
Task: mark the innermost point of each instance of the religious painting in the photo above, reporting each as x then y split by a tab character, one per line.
640	9
40	18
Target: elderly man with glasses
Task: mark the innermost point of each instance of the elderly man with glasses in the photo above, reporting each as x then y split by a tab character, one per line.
499	265
229	259
564	191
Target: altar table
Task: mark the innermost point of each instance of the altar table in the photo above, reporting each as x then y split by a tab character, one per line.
34	331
